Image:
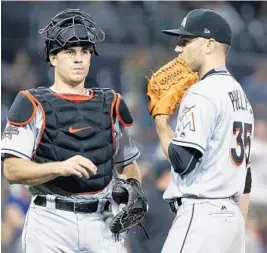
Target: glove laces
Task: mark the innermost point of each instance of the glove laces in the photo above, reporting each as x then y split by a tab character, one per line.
117	236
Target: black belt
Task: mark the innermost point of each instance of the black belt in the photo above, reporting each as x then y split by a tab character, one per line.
79	207
174	204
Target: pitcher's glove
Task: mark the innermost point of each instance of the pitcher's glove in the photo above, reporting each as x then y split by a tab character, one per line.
167	86
128	192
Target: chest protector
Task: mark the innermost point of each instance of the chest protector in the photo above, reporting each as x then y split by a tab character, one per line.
77	125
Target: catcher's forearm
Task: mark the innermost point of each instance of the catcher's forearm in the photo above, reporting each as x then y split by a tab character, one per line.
165	133
21	171
131	170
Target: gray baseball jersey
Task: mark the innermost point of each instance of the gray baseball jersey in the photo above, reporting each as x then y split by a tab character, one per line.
215	118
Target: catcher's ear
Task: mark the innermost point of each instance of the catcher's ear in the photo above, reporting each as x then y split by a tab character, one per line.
53	59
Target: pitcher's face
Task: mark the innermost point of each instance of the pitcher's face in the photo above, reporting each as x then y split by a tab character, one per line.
191	50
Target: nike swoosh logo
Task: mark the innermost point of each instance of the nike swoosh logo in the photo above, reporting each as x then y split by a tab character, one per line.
76	130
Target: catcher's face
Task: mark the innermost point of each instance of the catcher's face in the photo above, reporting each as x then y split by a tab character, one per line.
190	49
72	65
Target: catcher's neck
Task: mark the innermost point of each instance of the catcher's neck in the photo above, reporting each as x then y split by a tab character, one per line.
63	86
209	65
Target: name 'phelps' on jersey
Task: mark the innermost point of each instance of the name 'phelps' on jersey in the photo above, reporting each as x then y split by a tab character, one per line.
216	118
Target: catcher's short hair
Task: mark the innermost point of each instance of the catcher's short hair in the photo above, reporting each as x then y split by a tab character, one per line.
69	28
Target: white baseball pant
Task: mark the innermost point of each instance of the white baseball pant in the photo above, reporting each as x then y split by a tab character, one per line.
48	230
207	226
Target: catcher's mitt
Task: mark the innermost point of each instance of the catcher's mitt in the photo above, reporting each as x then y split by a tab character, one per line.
167	86
134	210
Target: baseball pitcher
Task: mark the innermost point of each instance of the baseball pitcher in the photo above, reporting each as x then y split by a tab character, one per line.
210	147
71	146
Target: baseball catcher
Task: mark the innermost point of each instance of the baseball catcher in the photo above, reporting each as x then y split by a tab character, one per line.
167	86
69	143
128	192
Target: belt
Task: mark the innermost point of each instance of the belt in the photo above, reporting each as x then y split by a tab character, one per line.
174	204
76	207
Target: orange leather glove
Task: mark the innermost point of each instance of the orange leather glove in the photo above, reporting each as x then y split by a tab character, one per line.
167	87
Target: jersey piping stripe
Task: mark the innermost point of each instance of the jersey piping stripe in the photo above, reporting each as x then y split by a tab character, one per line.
25	235
187	142
14	151
188	166
214	71
192	215
128	158
43	122
223	74
112	108
218	75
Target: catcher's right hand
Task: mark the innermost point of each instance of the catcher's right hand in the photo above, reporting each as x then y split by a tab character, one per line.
167	86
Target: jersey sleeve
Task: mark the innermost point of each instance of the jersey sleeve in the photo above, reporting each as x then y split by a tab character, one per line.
196	121
128	151
18	141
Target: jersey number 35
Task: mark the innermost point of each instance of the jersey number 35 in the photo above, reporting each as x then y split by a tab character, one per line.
242	133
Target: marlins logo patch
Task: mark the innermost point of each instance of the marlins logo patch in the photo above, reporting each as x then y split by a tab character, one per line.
10	131
186	120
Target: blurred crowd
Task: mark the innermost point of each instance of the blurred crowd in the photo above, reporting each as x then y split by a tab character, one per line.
133	47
